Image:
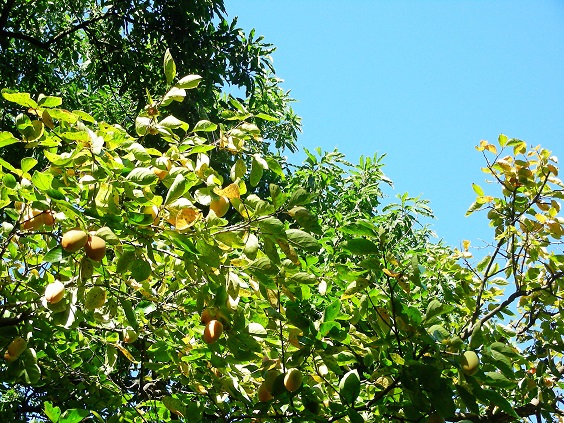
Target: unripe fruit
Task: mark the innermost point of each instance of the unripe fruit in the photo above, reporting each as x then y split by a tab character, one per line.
54	292
220	206
470	363
293	380
95	298
129	335
95	248
74	240
16	347
435	418
213	331
263	393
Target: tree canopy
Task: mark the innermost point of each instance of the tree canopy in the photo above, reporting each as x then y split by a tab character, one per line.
177	269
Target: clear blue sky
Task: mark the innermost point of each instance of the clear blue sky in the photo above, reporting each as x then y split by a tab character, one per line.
423	82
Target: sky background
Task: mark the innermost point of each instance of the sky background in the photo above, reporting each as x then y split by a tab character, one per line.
422	82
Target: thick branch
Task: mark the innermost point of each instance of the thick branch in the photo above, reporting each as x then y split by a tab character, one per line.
6	12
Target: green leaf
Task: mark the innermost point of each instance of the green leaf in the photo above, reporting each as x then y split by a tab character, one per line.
361	246
299	198
42	180
6	138
108	235
305	219
49	101
54	256
349	387
477	338
142	176
9	181
256	172
264	116
300	278
302	240
274	166
332	311
52	413
273	227
74	415
498	400
27	164
140	270
478	190
176	189
23	99
169	67
204	126
189	81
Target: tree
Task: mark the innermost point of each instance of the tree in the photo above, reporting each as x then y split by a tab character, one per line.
310	300
103	56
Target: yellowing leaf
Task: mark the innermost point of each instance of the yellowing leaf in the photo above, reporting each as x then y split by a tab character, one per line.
390	273
230	191
186	218
126	353
540	217
465	244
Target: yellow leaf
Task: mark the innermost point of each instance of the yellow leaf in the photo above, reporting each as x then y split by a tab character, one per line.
491	148
390	273
540	217
126	353
186	218
465	244
230	191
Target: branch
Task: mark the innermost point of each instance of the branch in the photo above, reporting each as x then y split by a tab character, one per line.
45	45
79	26
31	40
5	12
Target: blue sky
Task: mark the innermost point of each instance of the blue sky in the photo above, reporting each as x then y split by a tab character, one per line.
422	82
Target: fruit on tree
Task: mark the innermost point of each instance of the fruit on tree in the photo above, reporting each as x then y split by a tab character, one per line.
220	205
469	362
269	379
129	335
154	212
293	380
161	173
74	240
264	394
95	248
32	220
54	292
95	298
48	218
16	347
213	331
206	316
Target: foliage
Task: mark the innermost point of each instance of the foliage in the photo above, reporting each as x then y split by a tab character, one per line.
313	273
102	56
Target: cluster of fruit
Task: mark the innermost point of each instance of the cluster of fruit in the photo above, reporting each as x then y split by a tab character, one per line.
275	382
33	219
95	249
